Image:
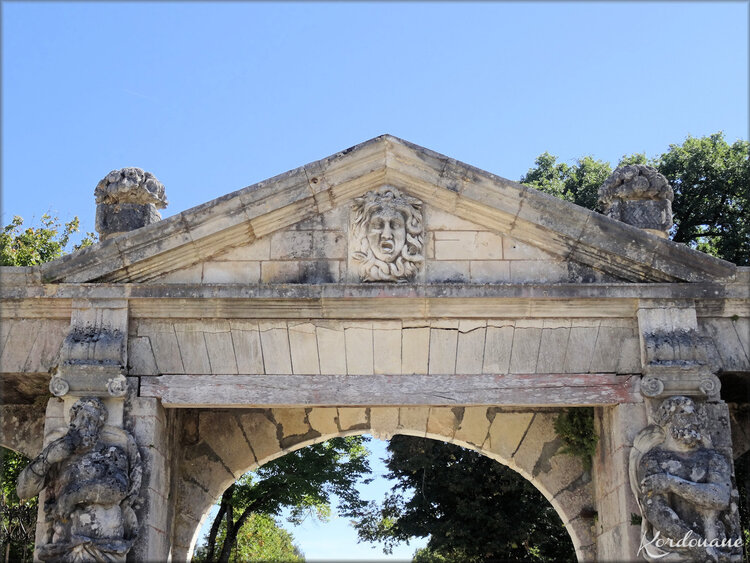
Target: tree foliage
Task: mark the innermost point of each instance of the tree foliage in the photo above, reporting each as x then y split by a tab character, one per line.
30	246
302	481
17	518
471	507
710	178
578	184
259	539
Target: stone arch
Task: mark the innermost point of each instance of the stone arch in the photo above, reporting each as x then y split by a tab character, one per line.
225	444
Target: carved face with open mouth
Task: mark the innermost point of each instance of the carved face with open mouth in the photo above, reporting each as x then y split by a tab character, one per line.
387	233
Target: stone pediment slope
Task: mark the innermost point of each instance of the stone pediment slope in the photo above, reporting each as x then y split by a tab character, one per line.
490	211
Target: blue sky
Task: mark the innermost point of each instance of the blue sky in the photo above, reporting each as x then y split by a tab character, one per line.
214	97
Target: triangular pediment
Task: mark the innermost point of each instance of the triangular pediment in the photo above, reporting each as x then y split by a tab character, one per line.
295	227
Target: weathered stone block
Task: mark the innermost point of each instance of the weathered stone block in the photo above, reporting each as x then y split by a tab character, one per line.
275	345
506	432
447	271
443	344
489	271
352	418
220	348
304	349
537	271
539	445
552	350
221	431
526	343
231	272
193	349
442	422
259	249
413	420
261	433
580	351
474	426
279	272
384	421
118	218
292	421
247	348
140	357
359	359
323	421
331	350
515	250
497	349
387	351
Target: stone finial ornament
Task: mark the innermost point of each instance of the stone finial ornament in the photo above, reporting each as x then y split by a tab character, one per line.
127	199
387	234
92	476
640	196
684	489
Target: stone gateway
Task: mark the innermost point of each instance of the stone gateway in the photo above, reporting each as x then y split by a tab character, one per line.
386	289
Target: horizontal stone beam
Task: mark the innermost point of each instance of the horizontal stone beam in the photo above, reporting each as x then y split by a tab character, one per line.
385	390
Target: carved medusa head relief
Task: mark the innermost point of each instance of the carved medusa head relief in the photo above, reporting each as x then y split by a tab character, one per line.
388	235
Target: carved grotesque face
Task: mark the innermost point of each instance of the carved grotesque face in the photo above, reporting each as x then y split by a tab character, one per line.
684	424
87	419
386	234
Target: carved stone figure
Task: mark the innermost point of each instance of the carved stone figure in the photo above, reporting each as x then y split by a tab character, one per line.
684	489
388	235
640	196
127	199
92	477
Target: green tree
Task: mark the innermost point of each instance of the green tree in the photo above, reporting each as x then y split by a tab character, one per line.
17	518
259	539
30	246
471	507
302	481
710	179
578	184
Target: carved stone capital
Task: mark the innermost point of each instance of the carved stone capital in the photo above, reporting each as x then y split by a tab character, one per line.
706	386
89	381
93	355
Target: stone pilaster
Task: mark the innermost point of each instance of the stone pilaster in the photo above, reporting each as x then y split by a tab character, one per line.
147	420
618	533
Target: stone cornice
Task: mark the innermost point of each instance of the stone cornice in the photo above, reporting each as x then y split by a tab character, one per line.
356	300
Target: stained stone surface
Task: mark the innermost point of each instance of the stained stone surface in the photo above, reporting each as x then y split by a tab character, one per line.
638	195
684	487
92	479
127	199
